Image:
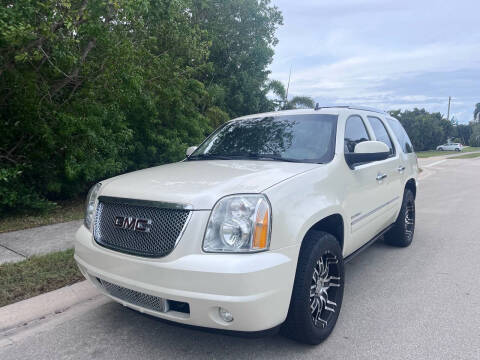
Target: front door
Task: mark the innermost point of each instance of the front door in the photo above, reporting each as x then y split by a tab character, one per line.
367	198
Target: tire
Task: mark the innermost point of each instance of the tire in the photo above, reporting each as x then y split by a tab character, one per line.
440	149
320	254
457	149
401	234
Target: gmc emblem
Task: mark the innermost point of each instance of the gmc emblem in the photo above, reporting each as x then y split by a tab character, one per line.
131	223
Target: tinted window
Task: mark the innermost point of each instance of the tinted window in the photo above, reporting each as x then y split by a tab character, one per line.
381	133
401	135
355	132
302	138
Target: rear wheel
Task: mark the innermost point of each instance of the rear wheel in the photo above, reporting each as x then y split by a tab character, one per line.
457	149
318	290
440	149
401	234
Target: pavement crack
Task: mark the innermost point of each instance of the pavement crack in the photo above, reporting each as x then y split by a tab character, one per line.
14	251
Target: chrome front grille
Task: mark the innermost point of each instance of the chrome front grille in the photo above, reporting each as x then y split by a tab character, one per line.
134	297
155	239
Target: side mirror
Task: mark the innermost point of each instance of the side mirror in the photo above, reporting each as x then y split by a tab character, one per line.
367	151
190	150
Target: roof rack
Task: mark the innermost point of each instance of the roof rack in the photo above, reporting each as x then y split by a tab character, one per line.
353	107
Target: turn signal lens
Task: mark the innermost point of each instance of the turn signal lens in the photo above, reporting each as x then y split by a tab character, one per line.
262	224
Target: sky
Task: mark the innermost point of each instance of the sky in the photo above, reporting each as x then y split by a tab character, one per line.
386	54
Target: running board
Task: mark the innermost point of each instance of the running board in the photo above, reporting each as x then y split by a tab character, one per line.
367	245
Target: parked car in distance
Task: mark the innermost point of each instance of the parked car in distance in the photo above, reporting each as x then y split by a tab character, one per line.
252	230
450	147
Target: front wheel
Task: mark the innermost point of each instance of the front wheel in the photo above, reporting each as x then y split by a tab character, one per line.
440	149
318	290
401	234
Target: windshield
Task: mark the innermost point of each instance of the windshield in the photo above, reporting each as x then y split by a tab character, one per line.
296	138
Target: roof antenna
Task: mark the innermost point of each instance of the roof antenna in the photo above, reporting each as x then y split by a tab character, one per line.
288	85
317	106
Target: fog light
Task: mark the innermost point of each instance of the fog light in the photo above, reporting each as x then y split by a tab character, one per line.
225	315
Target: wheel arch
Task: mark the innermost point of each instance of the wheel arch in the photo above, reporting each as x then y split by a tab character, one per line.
411	185
332	224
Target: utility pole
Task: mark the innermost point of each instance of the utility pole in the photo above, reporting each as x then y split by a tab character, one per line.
448	114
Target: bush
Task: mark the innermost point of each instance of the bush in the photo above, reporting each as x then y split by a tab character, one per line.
16	196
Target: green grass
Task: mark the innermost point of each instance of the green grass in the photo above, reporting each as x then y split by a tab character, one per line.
466	156
37	275
65	211
431	153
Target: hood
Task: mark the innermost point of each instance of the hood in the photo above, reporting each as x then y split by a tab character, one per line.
202	183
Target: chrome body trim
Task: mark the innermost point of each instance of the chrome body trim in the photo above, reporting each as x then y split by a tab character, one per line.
150	203
356	215
183	230
357	219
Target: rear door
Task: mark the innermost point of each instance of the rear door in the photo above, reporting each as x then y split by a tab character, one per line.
408	159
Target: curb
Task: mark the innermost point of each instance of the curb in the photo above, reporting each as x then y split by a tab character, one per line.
39	307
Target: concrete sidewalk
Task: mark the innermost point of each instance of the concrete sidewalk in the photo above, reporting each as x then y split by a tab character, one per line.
44	305
19	245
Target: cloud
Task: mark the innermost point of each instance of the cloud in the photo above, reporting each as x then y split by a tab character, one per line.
382	53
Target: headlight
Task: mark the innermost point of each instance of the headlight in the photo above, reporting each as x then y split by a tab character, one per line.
239	223
90	205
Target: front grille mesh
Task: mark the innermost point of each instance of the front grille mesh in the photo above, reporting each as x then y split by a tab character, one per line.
165	229
134	297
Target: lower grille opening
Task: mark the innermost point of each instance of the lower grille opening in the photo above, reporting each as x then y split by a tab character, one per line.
150	302
179	306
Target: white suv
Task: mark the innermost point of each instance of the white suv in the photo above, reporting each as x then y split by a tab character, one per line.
252	230
450	147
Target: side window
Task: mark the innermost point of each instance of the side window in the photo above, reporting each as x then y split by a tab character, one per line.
355	132
381	133
401	135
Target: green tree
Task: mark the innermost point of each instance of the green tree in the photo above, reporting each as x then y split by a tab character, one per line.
464	132
91	89
242	36
476	112
281	101
475	137
426	130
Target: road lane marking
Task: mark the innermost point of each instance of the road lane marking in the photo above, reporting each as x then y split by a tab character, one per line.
435	163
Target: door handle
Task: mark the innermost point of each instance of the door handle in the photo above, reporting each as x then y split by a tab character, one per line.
381	176
401	169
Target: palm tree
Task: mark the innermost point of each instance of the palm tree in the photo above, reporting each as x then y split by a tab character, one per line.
281	98
476	113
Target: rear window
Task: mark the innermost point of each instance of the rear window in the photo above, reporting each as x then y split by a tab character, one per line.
401	135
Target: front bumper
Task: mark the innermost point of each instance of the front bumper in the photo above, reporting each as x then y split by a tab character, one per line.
255	288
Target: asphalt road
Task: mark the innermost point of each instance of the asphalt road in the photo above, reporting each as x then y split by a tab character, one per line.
422	302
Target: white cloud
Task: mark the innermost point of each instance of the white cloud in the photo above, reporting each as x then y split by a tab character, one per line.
382	53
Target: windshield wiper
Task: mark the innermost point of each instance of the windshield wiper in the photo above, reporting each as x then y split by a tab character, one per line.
245	156
272	157
209	157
